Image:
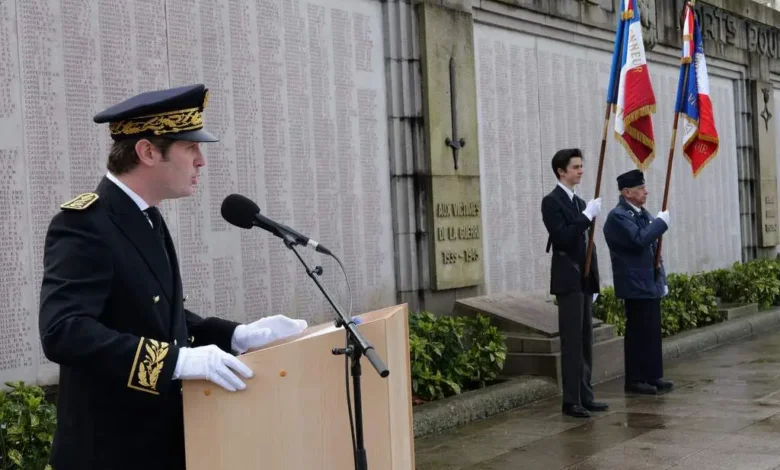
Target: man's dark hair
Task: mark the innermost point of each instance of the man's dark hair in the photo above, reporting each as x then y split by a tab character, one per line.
122	157
561	159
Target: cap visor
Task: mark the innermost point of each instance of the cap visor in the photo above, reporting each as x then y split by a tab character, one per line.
200	135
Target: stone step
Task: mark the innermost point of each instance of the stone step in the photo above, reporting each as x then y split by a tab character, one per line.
519	343
608	362
735	310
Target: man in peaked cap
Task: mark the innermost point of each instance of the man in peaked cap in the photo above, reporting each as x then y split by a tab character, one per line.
111	303
632	236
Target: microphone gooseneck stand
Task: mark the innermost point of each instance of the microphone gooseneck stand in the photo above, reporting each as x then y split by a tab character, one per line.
357	347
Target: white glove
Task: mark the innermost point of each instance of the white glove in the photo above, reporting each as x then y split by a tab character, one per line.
264	331
593	208
663	215
666	290
212	364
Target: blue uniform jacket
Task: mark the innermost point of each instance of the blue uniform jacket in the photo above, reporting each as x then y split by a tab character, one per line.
632	239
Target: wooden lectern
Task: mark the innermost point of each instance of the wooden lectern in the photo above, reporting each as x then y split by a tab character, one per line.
293	413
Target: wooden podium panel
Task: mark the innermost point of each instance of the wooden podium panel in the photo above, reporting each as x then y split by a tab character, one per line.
293	413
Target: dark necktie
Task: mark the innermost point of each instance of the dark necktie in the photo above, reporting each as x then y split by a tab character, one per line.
156	217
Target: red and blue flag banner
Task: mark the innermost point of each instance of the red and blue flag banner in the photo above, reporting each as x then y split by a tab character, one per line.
632	100
700	137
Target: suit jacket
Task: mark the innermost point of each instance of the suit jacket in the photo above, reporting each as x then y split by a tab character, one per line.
632	238
567	227
112	316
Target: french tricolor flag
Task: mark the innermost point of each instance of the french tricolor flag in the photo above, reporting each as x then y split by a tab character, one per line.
700	137
633	100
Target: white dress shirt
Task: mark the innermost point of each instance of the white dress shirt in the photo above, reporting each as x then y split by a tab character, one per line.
143	205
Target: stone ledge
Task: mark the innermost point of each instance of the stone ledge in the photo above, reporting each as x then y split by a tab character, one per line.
708	337
480	404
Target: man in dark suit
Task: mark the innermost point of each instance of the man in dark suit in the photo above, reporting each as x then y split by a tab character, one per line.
111	303
567	219
632	236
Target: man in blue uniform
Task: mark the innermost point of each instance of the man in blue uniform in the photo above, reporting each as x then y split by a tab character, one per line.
112	308
632	236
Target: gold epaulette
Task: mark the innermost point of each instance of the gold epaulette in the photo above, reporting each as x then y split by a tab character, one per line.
80	202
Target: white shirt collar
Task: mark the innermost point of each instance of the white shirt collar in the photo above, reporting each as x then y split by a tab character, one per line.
569	192
135	197
635	207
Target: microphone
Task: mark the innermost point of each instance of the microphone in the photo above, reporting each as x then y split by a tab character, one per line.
242	212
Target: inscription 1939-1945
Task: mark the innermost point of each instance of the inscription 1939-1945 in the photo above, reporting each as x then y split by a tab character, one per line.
724	27
770	225
465	232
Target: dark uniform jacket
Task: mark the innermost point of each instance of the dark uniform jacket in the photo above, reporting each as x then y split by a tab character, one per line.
112	316
632	238
568	228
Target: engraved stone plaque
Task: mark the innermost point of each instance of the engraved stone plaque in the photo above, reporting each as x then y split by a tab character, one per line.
765	131
452	153
457	232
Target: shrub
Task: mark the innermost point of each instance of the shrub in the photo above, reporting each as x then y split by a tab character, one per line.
690	304
27	424
724	283
757	281
609	309
452	354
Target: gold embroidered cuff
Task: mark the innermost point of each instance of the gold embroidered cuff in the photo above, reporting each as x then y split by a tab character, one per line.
147	365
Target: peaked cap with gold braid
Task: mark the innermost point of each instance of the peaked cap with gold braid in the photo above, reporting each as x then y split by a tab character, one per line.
175	113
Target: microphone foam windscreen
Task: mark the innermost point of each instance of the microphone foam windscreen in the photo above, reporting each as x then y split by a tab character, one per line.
239	210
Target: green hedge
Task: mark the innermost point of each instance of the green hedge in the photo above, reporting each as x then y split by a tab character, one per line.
451	354
27	424
692	299
757	281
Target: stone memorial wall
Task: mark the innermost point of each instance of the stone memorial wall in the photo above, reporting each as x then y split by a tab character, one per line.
773	116
536	96
298	98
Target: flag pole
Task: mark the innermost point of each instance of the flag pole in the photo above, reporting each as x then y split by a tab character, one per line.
686	70
598	183
607	114
669	166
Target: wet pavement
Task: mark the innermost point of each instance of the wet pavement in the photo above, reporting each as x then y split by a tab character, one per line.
724	414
